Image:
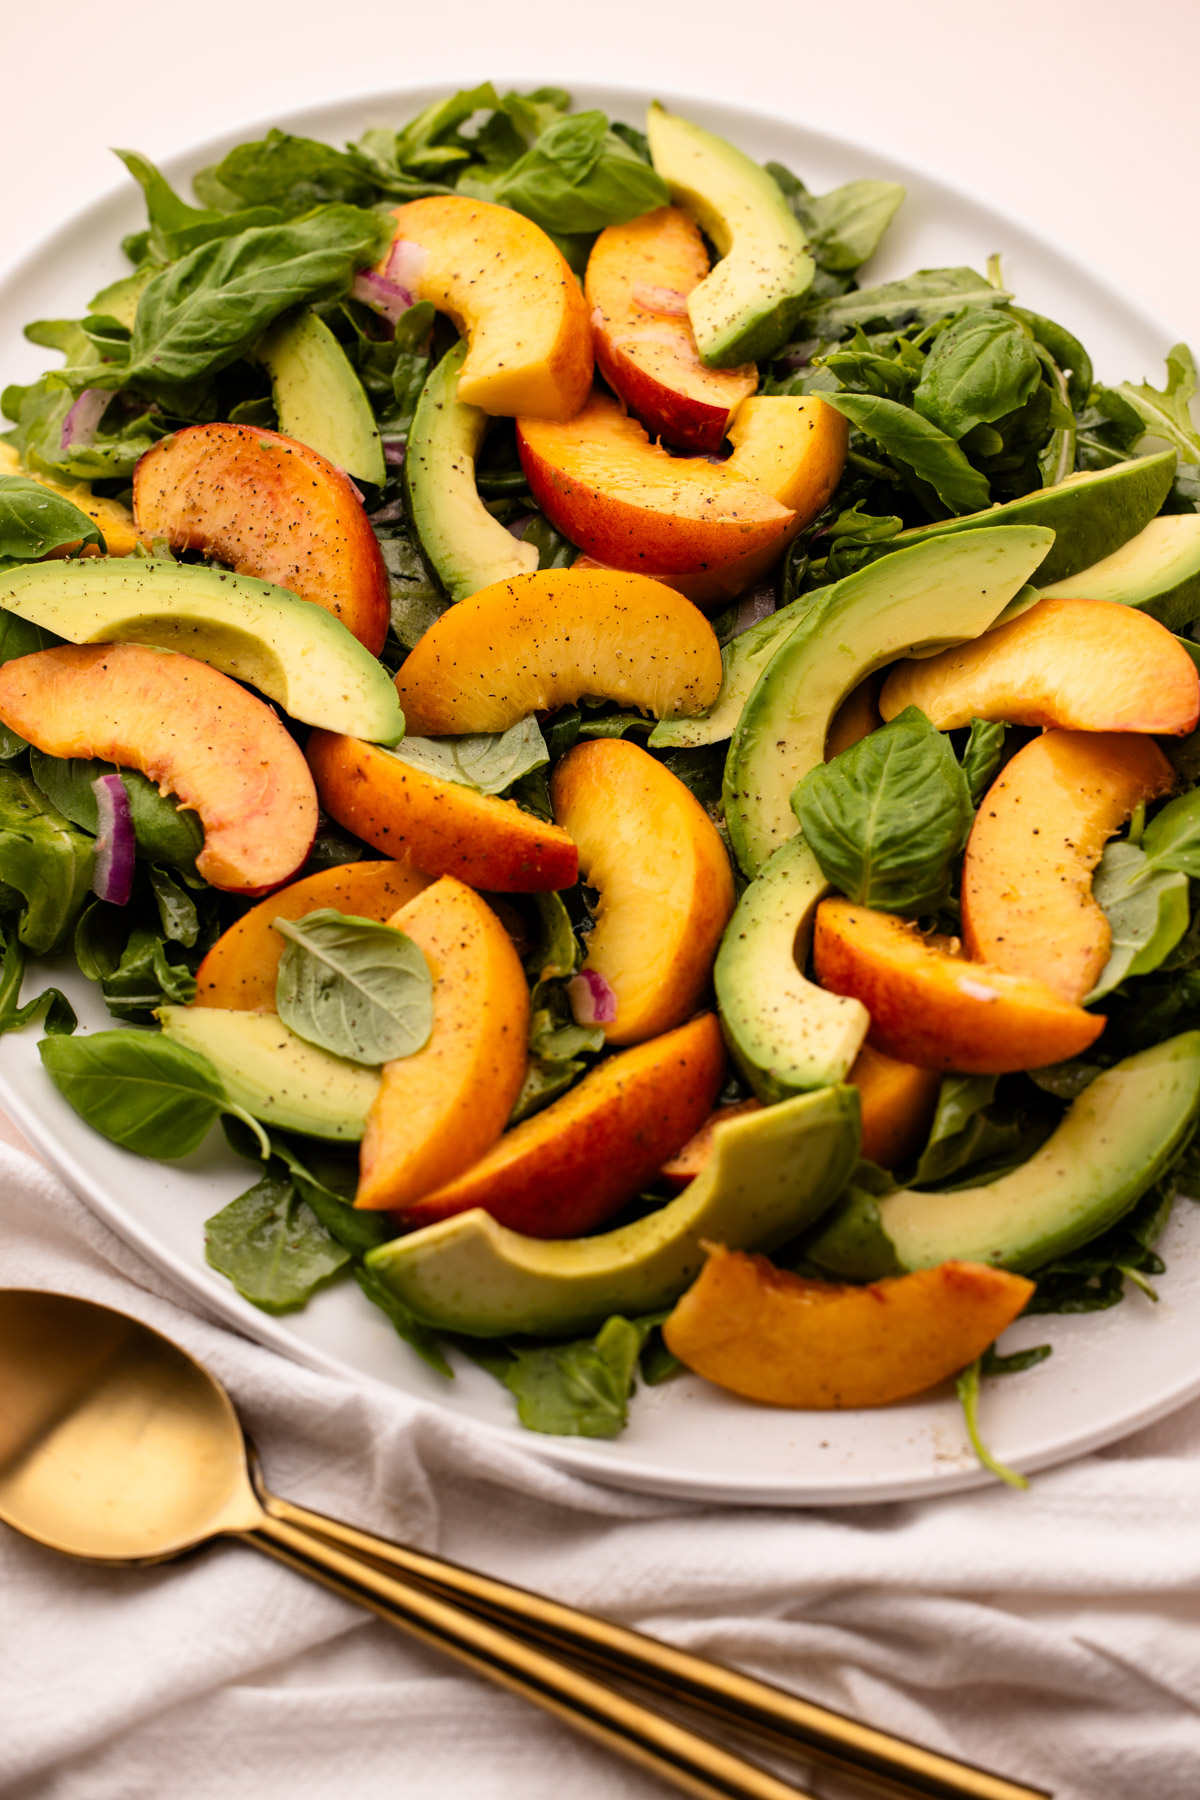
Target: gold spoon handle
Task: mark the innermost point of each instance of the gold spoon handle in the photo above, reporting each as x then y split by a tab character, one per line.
647	1738
891	1764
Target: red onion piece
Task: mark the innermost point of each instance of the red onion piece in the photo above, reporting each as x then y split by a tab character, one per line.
667	302
394	452
381	294
81	423
113	879
593	1001
387	515
517	526
406	262
753	607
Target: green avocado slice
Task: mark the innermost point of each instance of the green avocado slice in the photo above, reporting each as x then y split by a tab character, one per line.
937	593
290	649
785	1033
464	546
745	308
770	1174
1114	1142
1158	571
274	1074
319	400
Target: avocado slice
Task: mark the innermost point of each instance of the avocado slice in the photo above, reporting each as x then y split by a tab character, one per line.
770	1174
319	400
274	1074
1091	514
291	650
746	306
466	548
937	593
1114	1143
786	1034
1158	571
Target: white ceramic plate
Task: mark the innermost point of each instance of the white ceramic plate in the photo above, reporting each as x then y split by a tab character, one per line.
1110	1372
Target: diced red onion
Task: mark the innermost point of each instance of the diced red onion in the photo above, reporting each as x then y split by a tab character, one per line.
394	452
406	262
81	423
518	526
387	515
667	302
381	294
113	879
593	1001
753	607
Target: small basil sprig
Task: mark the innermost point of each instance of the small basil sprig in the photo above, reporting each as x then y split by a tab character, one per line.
34	521
1143	890
141	1091
916	443
354	987
888	817
487	761
981	367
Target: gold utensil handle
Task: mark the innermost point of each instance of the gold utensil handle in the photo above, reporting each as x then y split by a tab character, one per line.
656	1743
783	1720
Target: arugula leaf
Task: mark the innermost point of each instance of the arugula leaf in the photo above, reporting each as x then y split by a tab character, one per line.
1166	412
888	818
967	1388
982	756
45	859
918	445
1068	353
1092	1278
980	368
272	1247
487	761
923	298
580	176
145	977
59	1013
1147	909
959	1135
354	987
34	521
138	1089
572	1390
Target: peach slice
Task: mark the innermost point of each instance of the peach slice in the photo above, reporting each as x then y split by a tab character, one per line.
440	1110
638	278
188	727
1027	901
930	1007
442	827
687	1163
631	505
571	1166
786	1341
539	641
268	506
898	1100
666	888
510	292
239	971
1086	665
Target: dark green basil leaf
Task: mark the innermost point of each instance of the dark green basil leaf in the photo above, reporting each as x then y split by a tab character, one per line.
982	756
572	1390
980	368
554	550
164	831
579	177
45	859
354	987
916	444
293	174
34	521
844	227
137	1088
18	637
176	227
888	817
487	761
1066	349
272	1247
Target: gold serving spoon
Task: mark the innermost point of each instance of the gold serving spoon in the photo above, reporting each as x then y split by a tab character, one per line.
116	1446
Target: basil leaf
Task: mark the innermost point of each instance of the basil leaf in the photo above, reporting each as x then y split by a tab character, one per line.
34	521
1068	353
489	762
177	914
18	637
579	177
45	860
59	1013
888	817
572	1390
1172	838
137	1088
980	368
983	755
354	987
916	444
922	298
1147	909
272	1247
1166	412
293	174
844	227
163	831
176	227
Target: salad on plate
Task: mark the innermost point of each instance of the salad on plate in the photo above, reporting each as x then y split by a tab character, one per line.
647	781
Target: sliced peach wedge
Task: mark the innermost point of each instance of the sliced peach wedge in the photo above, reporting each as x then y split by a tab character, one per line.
663	875
930	1007
573	1165
509	290
638	278
1027	902
268	506
239	971
788	1341
442	827
538	641
198	734
1085	665
441	1109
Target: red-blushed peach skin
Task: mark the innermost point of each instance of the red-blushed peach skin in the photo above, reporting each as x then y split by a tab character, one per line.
509	290
239	971
1082	665
441	827
268	506
1027	902
663	875
647	355
930	1007
441	1109
784	1340
574	1164
199	735
540	641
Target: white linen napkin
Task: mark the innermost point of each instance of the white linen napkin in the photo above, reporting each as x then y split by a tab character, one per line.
1051	1635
